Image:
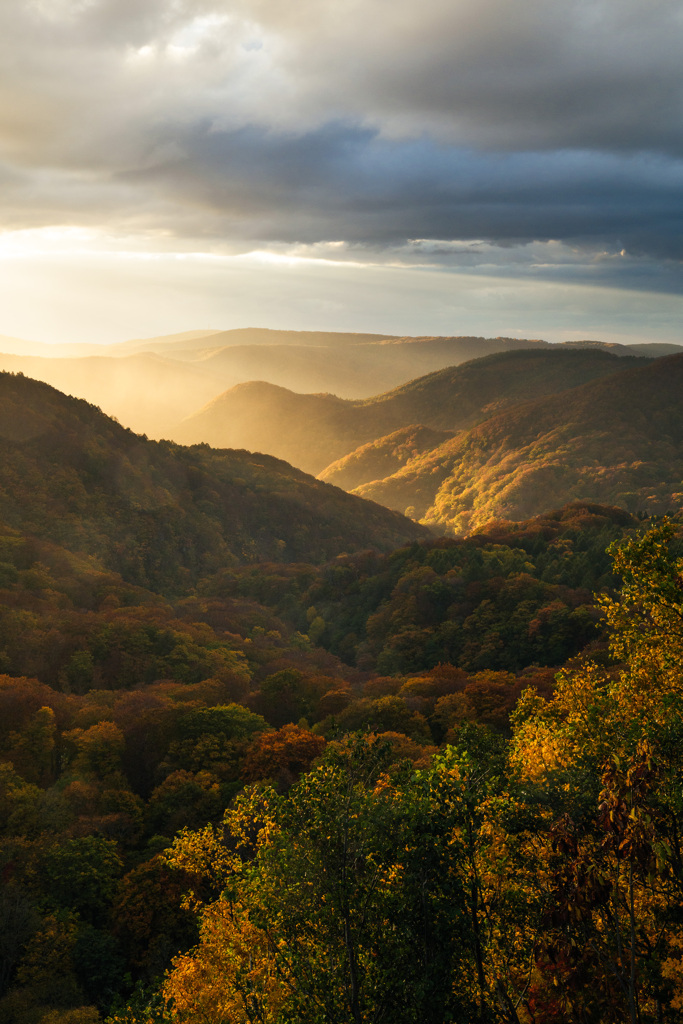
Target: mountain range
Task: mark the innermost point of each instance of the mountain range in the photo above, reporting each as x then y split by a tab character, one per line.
488	439
507	435
312	431
178	622
151	384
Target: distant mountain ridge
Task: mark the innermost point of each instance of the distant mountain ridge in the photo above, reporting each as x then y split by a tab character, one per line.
77	350
313	431
252	336
149	384
531	430
360	366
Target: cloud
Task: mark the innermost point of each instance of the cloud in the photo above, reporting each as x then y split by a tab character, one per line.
342	182
531	75
373	122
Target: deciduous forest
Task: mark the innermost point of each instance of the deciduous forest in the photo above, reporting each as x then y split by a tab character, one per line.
349	792
270	753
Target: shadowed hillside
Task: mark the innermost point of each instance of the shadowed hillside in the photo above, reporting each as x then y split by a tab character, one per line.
618	441
312	431
158	513
307	430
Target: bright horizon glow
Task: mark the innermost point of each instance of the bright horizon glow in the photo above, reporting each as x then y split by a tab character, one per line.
60	286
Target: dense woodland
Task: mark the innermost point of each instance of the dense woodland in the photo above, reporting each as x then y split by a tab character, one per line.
160	514
405	779
617	440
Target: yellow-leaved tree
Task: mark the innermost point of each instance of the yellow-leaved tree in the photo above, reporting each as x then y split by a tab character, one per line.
608	751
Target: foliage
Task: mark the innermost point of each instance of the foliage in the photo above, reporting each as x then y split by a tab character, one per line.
348	901
516	596
313	430
612	743
423	870
615	440
160	514
282	755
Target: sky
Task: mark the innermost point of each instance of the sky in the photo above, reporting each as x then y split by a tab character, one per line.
493	167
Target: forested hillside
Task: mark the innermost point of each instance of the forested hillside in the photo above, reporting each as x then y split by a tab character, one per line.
618	441
384	456
517	595
160	514
482	441
151	384
126	717
535	881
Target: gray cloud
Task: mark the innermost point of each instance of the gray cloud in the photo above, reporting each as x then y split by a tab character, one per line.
374	122
341	182
531	75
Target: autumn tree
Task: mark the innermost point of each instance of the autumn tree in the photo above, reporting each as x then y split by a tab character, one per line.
282	755
353	887
609	746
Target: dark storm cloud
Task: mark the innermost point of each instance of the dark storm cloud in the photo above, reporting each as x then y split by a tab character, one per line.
344	182
373	122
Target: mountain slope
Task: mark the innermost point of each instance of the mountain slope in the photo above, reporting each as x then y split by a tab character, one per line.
617	441
349	365
160	514
383	457
150	385
348	368
306	430
312	431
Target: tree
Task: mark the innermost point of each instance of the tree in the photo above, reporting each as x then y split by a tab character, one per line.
32	750
81	875
282	755
149	918
609	745
18	921
185	799
352	884
99	750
